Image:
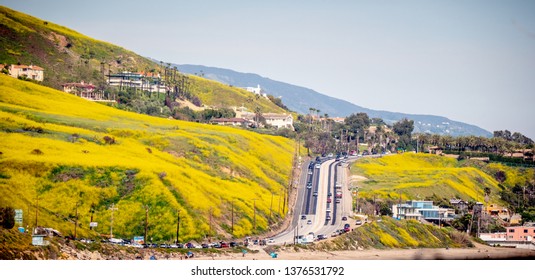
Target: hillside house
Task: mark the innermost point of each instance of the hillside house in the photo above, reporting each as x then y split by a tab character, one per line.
273	119
460	206
520	233
279	120
231	121
83	90
496	210
26	71
419	209
145	81
256	90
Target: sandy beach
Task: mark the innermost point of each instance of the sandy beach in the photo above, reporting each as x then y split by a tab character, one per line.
478	252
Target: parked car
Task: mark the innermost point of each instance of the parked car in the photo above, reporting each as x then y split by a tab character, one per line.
309	185
232	244
329	200
315	193
309	222
322	236
337	200
344	218
358	222
303	217
328	218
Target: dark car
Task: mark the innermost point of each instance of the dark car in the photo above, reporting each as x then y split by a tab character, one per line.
303	217
329	194
233	244
205	246
189	245
344	218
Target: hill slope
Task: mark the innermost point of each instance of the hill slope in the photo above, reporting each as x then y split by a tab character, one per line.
418	176
64	153
300	99
68	56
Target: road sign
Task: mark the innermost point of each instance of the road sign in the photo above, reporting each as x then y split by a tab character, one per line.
18	217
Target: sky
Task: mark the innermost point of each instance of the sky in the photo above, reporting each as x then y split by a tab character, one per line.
471	61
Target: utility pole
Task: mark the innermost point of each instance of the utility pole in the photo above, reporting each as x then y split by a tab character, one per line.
76	215
112	208
210	232
232	218
36	210
146	221
76	221
254	215
271	207
177	225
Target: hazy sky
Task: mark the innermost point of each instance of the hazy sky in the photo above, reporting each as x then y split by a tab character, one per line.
470	61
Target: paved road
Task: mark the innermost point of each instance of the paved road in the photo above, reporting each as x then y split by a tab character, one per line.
315	208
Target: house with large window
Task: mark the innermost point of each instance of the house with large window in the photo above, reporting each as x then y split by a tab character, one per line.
422	210
145	81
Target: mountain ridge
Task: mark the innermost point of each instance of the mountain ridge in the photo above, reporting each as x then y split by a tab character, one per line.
300	99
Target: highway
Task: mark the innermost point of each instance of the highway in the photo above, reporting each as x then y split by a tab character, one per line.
315	208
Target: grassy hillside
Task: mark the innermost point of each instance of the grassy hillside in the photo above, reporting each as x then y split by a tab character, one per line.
63	151
68	56
391	233
417	176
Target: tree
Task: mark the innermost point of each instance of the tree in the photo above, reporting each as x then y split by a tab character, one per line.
404	128
7	217
357	123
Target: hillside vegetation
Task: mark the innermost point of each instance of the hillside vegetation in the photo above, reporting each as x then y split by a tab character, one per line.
391	233
419	176
68	56
64	153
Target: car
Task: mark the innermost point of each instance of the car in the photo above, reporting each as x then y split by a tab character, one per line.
318	159
271	240
233	244
329	200
358	222
309	185
309	222
322	236
303	217
337	200
223	245
328	218
315	193
330	194
330	155
309	172
318	165
344	218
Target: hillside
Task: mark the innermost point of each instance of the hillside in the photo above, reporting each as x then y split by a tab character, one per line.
300	99
390	233
419	176
68	56
63	153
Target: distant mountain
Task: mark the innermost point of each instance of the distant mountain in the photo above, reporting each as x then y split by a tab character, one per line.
300	99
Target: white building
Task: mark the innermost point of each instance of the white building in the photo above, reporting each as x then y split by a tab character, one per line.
28	71
256	90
